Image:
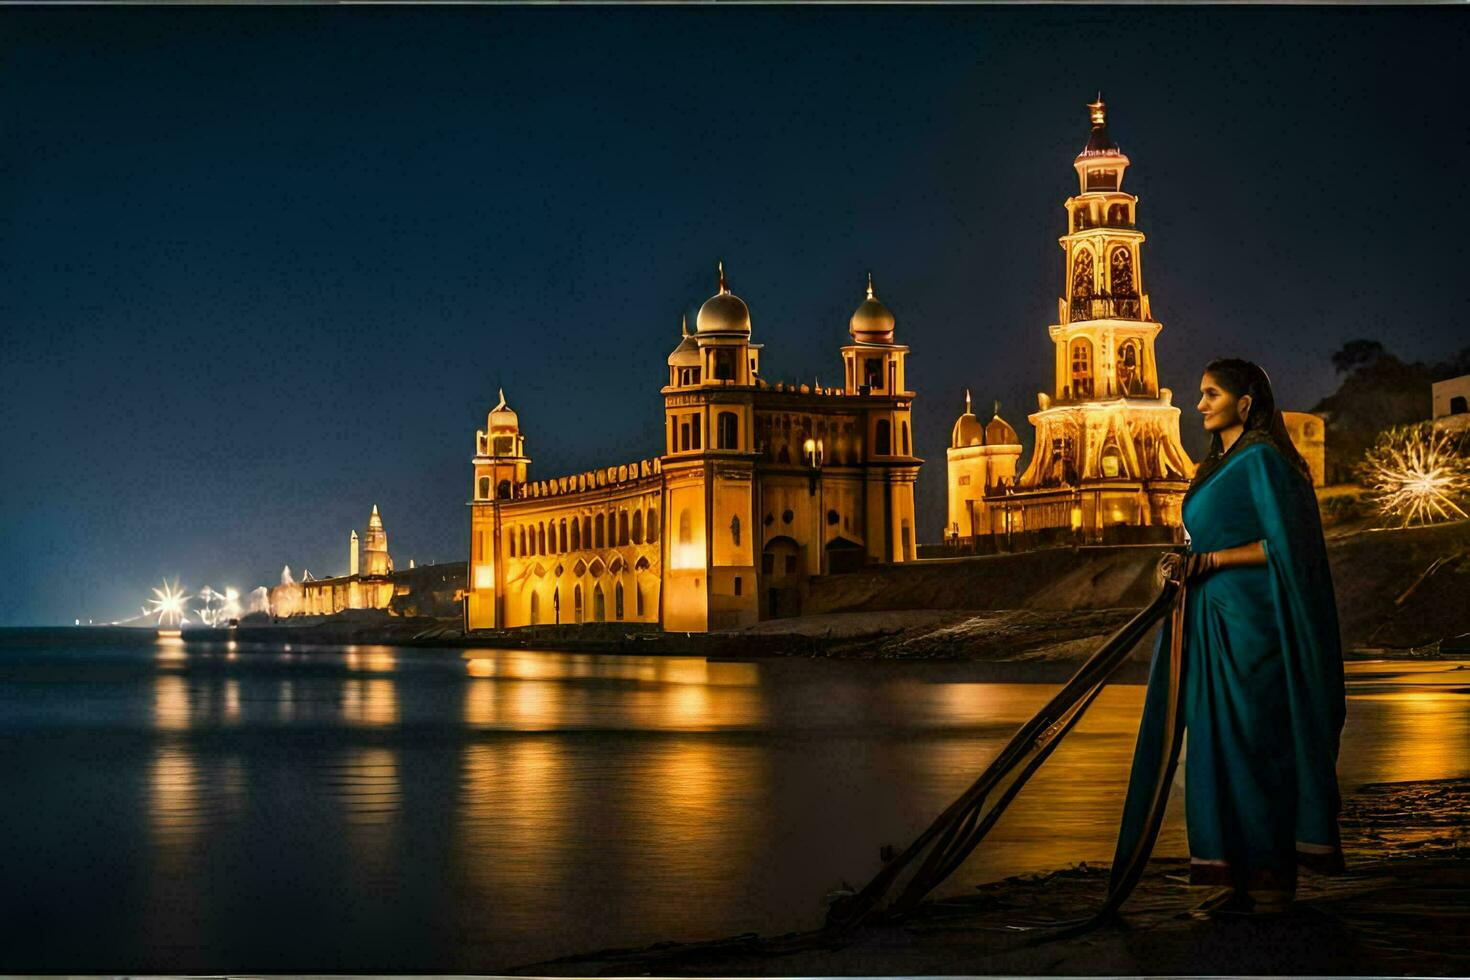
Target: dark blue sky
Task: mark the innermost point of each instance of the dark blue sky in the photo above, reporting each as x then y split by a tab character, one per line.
263	267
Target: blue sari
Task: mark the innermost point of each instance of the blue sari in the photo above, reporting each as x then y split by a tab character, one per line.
1261	687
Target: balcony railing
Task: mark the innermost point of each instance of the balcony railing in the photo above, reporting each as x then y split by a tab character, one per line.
1102	306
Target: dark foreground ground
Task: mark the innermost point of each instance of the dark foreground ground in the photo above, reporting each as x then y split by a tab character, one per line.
1403	908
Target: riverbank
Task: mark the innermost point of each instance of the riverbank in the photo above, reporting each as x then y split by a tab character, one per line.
1401	908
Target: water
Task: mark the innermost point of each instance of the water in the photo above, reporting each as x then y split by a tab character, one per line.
372	809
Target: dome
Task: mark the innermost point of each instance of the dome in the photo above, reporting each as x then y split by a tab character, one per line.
1000	433
967	429
724	312
872	323
687	353
502	416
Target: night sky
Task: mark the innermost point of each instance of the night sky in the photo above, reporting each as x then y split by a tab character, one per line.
262	268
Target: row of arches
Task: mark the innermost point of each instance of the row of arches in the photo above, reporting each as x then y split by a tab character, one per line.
601	603
1117	215
605	529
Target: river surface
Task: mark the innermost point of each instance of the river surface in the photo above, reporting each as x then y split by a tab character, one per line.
212	808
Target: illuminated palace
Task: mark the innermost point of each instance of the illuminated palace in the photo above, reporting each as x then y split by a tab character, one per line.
759	486
1107	449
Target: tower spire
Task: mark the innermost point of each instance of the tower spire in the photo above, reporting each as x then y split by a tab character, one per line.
968	410
870	286
724	287
684	324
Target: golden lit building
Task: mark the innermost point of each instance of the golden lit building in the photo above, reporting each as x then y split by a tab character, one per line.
1107	451
980	458
365	586
759	486
1308	434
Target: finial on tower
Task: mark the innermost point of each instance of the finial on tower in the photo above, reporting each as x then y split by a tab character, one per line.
1099	110
996	406
967	402
870	286
724	287
501	404
684	324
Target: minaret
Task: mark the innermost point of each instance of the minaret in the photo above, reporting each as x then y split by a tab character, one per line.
500	459
352	554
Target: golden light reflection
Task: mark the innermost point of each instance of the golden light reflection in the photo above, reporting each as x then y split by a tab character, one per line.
370	659
171	706
232	700
174	812
1406	721
371	793
372	701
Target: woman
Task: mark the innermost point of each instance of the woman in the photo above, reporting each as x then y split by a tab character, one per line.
1259	686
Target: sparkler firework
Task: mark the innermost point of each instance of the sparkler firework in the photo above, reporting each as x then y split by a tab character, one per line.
1418	475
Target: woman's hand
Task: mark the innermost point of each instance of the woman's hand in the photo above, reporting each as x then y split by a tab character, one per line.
1170	566
1198	564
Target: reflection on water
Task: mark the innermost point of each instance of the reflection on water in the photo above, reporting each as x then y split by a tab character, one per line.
364	808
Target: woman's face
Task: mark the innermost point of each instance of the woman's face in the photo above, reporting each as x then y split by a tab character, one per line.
1220	408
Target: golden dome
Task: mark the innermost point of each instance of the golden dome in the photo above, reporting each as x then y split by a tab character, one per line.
687	353
1000	433
967	429
872	323
723	313
502	416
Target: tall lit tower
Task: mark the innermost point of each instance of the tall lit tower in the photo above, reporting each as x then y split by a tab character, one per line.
1107	435
375	560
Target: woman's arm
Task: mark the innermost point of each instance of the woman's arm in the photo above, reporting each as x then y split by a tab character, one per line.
1245	554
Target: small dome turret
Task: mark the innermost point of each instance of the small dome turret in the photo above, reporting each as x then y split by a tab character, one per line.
871	323
723	313
503	417
999	432
967	429
687	353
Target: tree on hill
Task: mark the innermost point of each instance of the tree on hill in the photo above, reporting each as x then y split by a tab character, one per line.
1378	391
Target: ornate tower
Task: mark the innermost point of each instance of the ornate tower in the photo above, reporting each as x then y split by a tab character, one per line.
874	368
500	464
500	453
1107	435
352	554
708	469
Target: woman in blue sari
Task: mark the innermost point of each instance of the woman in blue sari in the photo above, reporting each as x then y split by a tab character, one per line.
1257	682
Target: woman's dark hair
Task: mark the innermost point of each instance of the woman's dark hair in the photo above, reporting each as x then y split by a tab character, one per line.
1263	423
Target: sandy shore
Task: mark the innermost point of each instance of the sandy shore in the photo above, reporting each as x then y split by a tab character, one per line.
1402	908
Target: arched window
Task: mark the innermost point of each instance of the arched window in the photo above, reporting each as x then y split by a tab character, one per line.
905	431
562	539
1130	363
727	434
882	438
586	530
618	600
686	527
540	539
535	608
1118	215
724	365
502	491
1082	285
599	532
577	604
637	527
1121	272
511	544
484	493
1082	367
1457	405
622	527
637	599
652	533
599	604
523	540
1081	218
576	534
